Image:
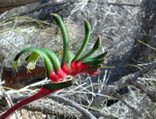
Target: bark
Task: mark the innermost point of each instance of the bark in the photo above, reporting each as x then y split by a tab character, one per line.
9	4
23	77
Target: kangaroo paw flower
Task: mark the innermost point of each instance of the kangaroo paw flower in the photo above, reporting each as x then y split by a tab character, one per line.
61	73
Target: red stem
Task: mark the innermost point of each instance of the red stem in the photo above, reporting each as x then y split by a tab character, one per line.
42	93
77	68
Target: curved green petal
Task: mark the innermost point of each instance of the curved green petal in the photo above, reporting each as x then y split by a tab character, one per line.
45	58
103	55
70	57
96	59
53	57
64	36
86	39
92	51
93	60
99	57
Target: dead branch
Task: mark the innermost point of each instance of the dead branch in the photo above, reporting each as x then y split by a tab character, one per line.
49	107
15	3
129	80
86	114
9	4
136	113
53	108
99	114
151	93
43	6
123	4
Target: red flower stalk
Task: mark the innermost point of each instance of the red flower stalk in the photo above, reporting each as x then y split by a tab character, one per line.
71	65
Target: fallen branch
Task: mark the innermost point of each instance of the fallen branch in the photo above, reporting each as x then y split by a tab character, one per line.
131	79
123	4
86	114
9	4
54	108
151	93
15	3
49	107
135	112
43	6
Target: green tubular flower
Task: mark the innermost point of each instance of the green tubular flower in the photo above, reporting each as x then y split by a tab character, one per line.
45	58
51	55
93	61
103	55
64	36
70	57
53	58
96	61
85	42
96	58
92	51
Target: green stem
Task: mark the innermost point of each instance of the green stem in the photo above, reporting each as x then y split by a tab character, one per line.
64	36
86	39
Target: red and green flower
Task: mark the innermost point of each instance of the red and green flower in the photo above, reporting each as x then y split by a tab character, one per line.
61	73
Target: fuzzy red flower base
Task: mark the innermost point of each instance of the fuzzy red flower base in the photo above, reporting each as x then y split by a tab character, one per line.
76	68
